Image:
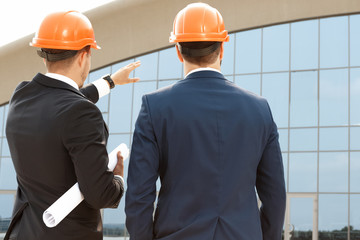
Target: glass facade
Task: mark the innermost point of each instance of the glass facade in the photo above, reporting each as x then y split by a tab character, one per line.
310	73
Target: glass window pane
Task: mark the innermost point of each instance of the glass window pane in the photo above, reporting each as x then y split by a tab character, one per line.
355	138
301	218
249	82
304	99
166	83
148	68
276	91
248	52
6	109
7	175
5	151
334	42
355	217
285	163
276	48
303	139
304	45
7	204
333	139
283	139
140	88
227	64
120	108
333	215
355	40
169	64
114	222
2	120
103	102
354	172
333	172
114	141
334	97
303	172
355	96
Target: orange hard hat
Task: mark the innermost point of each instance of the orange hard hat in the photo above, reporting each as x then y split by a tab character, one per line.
65	30
199	22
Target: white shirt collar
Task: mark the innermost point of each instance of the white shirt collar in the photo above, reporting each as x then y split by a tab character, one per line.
202	69
63	79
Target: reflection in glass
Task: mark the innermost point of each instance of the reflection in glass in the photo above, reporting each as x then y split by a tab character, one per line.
303	172
148	68
333	138
276	91
355	217
169	64
140	88
303	139
7	175
354	40
354	172
304	99
301	218
334	42
355	96
333	172
120	108
333	216
276	48
334	97
227	64
249	82
248	52
304	45
103	102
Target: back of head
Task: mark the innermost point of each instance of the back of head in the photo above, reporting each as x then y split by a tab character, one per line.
62	34
199	31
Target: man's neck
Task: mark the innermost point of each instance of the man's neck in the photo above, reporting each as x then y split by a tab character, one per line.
188	67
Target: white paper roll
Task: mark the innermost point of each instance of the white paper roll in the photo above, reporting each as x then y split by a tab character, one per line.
73	197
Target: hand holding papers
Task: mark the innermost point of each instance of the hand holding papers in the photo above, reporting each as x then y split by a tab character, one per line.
73	197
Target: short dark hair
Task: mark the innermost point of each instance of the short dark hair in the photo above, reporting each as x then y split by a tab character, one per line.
67	61
186	49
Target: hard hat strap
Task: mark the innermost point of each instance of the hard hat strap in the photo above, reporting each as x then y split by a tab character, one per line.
192	52
54	57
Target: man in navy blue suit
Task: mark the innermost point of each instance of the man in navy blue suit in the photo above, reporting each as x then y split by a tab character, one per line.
213	144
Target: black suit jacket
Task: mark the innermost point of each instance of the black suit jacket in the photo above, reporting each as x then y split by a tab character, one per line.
57	137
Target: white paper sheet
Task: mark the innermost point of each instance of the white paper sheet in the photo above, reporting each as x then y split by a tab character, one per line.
73	197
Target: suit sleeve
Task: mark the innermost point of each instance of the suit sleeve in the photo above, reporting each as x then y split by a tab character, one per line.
270	186
142	176
90	92
84	137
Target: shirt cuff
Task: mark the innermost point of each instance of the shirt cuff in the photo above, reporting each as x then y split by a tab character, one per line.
102	86
121	179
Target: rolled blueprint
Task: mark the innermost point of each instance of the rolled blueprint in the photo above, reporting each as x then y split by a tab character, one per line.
73	197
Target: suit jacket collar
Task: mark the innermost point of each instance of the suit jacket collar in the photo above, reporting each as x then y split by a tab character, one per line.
205	74
54	83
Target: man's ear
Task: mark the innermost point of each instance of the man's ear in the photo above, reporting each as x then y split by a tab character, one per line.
179	54
81	57
222	51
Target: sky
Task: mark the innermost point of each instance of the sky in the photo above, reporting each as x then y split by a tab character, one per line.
19	18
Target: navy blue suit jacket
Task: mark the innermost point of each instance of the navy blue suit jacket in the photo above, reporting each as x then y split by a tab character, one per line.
213	145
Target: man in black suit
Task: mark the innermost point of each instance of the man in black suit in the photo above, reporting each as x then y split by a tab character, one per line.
57	136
